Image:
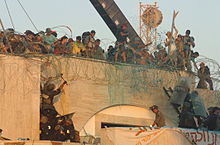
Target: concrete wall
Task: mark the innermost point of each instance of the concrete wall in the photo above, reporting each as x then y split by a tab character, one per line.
92	87
96	85
19	97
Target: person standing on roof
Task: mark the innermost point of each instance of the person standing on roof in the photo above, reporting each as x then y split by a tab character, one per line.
204	76
188	44
159	118
179	93
198	107
121	42
90	43
191	61
171	44
98	51
170	41
186	117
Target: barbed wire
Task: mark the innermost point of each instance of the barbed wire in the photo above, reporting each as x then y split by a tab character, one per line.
137	75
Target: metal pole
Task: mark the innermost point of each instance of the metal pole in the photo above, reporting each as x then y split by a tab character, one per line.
140	19
2	25
9	13
173	24
3	28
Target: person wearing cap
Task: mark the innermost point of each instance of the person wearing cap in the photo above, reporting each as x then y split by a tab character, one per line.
204	76
159	118
49	39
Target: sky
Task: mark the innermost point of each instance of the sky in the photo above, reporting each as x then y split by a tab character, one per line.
200	16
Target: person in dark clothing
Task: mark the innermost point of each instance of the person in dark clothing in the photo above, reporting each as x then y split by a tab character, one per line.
204	76
195	109
186	117
159	118
213	121
60	46
50	91
198	107
69	130
45	128
121	42
48	124
111	53
64	129
48	94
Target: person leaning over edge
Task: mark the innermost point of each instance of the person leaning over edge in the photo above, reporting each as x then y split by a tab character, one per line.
159	118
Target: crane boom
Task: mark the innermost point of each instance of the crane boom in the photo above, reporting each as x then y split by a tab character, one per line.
113	17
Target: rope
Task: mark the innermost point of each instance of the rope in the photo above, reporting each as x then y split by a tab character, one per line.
64	26
9	14
28	16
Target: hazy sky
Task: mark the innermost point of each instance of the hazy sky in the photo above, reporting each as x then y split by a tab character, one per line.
200	16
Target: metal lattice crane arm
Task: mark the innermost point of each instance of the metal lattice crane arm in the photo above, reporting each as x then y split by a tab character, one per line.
114	17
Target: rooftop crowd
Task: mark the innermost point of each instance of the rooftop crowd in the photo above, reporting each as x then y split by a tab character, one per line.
86	45
176	50
180	54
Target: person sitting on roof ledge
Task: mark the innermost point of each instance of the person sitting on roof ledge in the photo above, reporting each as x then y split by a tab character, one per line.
78	47
60	46
49	39
89	43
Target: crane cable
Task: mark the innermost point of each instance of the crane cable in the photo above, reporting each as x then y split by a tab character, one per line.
9	14
28	16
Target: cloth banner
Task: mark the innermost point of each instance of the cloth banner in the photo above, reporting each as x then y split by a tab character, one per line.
171	136
202	137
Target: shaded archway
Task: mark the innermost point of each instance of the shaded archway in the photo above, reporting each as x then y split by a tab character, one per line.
117	115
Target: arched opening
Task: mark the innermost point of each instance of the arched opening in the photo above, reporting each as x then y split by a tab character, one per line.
117	116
